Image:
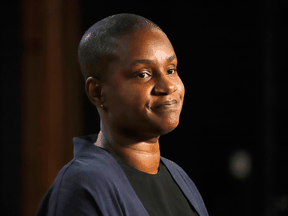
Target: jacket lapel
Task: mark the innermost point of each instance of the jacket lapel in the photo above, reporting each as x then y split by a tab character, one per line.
187	186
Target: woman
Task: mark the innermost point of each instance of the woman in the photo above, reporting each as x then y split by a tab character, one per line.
130	69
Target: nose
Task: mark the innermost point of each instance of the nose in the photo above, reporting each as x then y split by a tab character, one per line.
164	86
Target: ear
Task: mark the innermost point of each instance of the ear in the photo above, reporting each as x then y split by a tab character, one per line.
93	91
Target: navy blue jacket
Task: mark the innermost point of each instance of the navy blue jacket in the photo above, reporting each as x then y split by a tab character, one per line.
93	184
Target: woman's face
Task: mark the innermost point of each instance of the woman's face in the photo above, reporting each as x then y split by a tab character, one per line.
144	93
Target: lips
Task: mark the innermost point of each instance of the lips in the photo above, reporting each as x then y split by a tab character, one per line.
167	104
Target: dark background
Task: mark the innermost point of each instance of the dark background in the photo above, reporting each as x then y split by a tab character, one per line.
232	62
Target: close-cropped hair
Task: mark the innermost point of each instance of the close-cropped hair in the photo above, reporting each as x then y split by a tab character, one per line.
97	46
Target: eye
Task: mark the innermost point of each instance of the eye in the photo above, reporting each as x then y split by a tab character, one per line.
143	75
172	71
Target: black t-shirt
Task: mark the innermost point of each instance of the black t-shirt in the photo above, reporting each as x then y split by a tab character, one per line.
159	193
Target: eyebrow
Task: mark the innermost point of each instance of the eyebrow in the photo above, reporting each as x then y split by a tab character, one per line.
148	61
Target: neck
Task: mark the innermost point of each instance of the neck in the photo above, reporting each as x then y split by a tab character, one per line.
141	155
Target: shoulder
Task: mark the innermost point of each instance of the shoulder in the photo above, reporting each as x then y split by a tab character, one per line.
80	185
85	172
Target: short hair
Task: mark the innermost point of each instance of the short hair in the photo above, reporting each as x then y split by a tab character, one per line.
97	45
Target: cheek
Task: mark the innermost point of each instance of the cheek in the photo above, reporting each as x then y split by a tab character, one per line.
132	97
181	88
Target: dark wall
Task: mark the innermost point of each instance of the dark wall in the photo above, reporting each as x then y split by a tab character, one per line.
223	50
10	58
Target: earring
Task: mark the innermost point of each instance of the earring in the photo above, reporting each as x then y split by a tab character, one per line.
102	105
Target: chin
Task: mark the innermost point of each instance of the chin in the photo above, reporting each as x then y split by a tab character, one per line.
168	128
152	125
164	125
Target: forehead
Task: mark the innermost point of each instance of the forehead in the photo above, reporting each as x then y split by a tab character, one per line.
144	44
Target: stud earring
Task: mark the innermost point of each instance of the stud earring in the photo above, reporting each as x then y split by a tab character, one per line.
102	105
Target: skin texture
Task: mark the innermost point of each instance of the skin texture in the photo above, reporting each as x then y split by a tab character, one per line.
141	99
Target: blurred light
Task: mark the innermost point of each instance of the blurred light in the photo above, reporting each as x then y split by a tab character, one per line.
282	203
240	164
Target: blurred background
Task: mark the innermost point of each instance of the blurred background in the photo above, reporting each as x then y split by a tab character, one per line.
232	138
